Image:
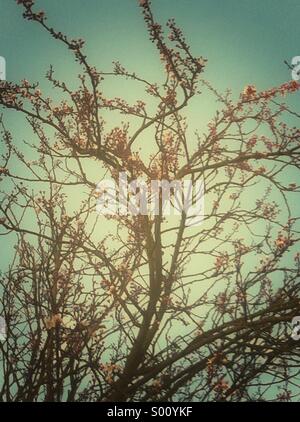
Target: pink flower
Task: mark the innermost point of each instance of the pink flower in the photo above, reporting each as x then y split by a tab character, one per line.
143	3
250	91
3	171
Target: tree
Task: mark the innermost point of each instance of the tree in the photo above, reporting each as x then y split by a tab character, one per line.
154	309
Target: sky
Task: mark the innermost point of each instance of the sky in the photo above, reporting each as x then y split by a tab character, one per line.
245	42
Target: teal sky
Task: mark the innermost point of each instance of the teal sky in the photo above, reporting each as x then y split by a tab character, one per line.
245	41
